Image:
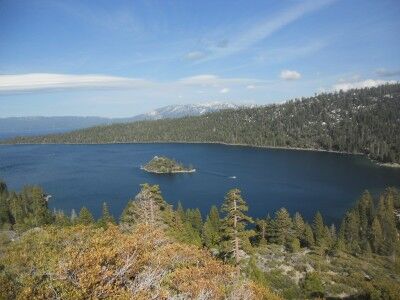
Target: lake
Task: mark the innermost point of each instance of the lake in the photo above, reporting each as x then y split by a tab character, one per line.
304	181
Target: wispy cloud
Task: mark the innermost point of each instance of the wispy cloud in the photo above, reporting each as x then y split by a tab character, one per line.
265	28
290	75
47	81
224	91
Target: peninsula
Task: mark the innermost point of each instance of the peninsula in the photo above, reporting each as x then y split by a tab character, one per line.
165	165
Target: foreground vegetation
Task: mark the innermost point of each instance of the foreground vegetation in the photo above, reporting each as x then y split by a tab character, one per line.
165	165
157	251
357	121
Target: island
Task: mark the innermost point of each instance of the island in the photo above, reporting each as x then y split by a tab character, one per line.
165	165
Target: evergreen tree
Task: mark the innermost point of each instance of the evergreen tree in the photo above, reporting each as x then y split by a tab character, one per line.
235	235
376	236
85	217
388	223
106	217
309	240
319	230
181	212
299	227
283	227
261	226
351	231
148	207
193	216
212	229
60	219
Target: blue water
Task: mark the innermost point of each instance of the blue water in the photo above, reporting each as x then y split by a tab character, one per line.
303	181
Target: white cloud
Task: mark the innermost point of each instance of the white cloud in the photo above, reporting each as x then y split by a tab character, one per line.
251	87
290	75
47	81
224	91
32	82
195	55
360	84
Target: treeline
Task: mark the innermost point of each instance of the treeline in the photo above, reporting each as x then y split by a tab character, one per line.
369	227
357	121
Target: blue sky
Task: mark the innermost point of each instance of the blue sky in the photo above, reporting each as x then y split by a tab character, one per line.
121	58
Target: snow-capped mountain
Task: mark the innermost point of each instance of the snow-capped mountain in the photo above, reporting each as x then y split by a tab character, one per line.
16	126
183	110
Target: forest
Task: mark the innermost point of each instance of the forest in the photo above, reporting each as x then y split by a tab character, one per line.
363	121
157	251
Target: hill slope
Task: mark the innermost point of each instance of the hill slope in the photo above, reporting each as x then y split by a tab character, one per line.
357	121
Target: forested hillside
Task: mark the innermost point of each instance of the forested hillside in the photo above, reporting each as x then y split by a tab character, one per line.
357	121
157	251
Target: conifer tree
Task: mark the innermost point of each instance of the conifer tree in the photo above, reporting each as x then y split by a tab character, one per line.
351	231
283	227
376	236
299	227
85	217
388	222
261	226
106	217
235	235
148	207
193	216
212	229
319	230
309	240
61	219
181	212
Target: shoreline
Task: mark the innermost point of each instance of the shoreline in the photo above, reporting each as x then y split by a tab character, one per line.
387	165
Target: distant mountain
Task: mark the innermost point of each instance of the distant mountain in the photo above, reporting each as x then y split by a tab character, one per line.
356	121
183	110
28	126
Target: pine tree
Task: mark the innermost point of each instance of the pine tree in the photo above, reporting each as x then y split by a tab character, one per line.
148	208
376	236
212	229
319	230
351	231
261	226
85	217
193	216
299	227
60	219
181	211
106	217
235	235
283	227
388	223
309	240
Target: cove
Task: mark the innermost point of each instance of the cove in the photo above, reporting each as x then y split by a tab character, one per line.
304	181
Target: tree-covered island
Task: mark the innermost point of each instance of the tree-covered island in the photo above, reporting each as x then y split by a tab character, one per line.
165	165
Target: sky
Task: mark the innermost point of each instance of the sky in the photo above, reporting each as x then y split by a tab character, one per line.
121	58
